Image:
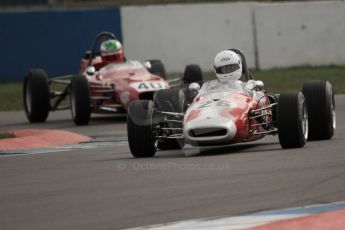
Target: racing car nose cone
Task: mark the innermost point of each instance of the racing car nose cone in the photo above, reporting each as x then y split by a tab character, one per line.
210	131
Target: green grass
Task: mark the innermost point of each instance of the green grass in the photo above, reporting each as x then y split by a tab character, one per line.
4	135
276	81
291	79
11	96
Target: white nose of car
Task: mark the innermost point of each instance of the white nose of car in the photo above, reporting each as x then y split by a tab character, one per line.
209	128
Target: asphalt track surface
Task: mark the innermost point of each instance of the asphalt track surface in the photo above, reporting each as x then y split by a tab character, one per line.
105	188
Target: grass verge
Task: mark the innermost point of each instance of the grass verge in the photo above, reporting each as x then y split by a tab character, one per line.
276	81
291	79
11	96
4	135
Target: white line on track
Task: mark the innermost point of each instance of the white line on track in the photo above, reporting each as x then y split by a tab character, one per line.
247	221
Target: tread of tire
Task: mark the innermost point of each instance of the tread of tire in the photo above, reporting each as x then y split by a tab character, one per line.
192	74
157	68
140	140
320	120
289	121
37	78
80	86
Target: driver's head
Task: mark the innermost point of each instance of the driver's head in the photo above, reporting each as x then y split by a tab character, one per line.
111	51
228	66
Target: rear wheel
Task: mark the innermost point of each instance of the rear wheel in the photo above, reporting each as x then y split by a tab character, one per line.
292	115
192	73
36	95
80	100
157	68
169	101
321	109
139	129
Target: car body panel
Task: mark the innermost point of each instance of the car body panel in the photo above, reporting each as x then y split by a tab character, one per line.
118	84
221	117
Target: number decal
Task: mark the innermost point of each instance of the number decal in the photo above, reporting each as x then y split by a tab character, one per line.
146	86
219	103
150	85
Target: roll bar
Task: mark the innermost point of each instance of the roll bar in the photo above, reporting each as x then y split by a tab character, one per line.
245	69
102	35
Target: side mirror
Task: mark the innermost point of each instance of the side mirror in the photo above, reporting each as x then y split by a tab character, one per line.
91	70
193	89
260	85
147	65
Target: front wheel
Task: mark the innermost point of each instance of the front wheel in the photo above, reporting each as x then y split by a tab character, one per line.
192	73
157	68
292	115
36	95
141	141
80	100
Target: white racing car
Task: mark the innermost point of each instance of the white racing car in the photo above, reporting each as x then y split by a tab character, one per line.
223	114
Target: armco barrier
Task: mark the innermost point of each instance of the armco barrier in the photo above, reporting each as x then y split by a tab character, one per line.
54	40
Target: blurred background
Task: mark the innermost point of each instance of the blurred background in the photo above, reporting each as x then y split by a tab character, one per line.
284	42
53	34
69	3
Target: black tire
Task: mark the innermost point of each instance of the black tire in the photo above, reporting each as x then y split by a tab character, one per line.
192	73
321	109
139	129
36	95
169	101
157	68
292	115
80	100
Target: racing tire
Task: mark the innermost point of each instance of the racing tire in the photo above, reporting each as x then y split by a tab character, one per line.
169	101
157	68
292	120
139	129
321	109
36	96
80	100
192	73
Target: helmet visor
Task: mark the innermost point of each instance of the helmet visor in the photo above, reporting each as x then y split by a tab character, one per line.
227	68
116	57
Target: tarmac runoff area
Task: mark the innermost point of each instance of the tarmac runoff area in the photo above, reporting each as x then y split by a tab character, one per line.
99	185
40	138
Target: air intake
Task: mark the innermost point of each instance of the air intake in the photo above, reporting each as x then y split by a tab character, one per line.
208	132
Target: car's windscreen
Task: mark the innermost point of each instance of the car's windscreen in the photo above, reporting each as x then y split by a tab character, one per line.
118	66
216	86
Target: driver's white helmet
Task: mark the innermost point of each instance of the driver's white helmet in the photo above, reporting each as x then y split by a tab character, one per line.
228	66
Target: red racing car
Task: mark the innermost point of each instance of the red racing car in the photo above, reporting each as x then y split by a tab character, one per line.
101	86
223	114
